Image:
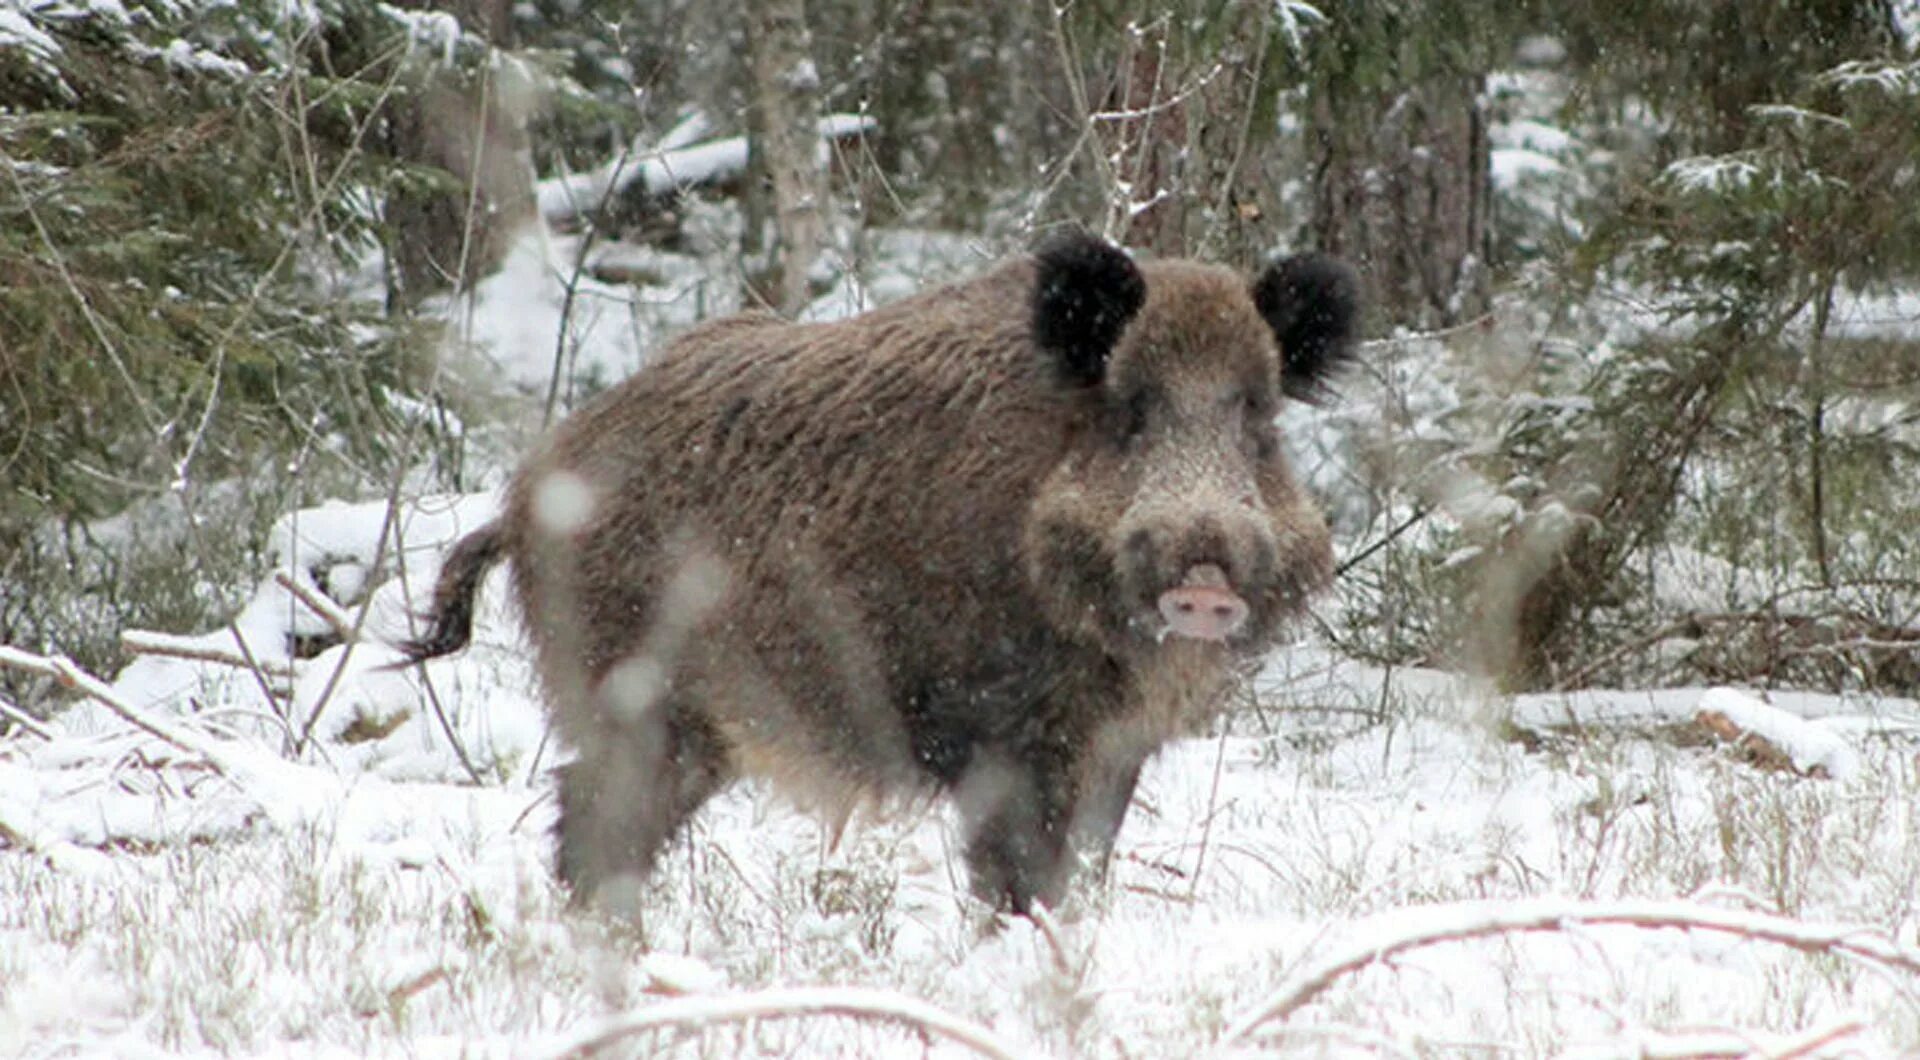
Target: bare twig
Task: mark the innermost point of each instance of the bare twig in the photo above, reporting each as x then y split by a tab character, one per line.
149	642
1206	823
1049	927
1817	1039
1478	323
24	720
70	675
1419	513
329	612
792	1003
1390	934
1332	1035
1580	677
154	424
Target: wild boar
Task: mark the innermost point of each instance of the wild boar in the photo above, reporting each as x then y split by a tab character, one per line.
1001	539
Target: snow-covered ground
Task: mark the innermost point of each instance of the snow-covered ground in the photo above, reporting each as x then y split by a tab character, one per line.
371	899
313	855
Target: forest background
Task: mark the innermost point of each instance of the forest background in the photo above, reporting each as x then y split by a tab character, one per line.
1639	408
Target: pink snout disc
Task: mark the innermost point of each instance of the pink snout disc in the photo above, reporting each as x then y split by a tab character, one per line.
1203	612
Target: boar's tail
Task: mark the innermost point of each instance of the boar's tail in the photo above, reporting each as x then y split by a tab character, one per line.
451	619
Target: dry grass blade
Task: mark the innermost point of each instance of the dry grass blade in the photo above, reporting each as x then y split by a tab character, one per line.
792	1003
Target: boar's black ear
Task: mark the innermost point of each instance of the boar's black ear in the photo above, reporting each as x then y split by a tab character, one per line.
1086	292
1312	303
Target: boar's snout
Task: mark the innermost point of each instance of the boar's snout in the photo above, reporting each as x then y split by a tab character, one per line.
1204	606
1197	574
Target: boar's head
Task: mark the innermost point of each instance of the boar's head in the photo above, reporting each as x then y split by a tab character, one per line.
1172	512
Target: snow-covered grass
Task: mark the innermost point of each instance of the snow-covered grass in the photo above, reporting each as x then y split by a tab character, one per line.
151	904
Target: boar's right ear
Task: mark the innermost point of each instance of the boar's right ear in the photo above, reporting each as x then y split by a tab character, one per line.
1087	291
1312	303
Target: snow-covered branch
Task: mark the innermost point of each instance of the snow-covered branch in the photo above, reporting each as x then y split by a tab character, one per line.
792	1003
70	675
335	616
1378	938
24	720
148	642
673	164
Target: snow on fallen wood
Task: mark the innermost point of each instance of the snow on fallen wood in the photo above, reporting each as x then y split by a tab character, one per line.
1810	748
860	1003
670	165
1770	734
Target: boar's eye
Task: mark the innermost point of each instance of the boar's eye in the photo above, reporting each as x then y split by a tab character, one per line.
1256	416
1133	413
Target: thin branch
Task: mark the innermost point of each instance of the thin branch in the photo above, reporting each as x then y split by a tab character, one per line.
24	720
1378	938
1477	323
699	1012
70	675
1206	823
329	612
1818	1039
148	642
1392	535
87	313
1580	677
1043	919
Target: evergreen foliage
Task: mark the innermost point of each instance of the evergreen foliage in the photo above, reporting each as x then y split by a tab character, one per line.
189	197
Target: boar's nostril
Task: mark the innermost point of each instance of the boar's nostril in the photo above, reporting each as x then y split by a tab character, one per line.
1202	611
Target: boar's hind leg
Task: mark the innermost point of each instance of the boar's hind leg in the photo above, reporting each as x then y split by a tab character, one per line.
625	796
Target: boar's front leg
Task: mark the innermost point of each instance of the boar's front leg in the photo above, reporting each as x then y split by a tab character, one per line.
1015	804
1106	790
1035	814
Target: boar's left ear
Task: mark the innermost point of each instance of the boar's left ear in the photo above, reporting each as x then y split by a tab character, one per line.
1087	290
1312	302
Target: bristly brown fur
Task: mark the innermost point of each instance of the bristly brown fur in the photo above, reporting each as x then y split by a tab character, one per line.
911	550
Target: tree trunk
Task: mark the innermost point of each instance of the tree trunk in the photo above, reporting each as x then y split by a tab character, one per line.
1403	191
784	121
448	237
1184	114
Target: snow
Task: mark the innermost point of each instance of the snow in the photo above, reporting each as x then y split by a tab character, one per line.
1528	148
541	298
1715	174
183	55
17	30
438	32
